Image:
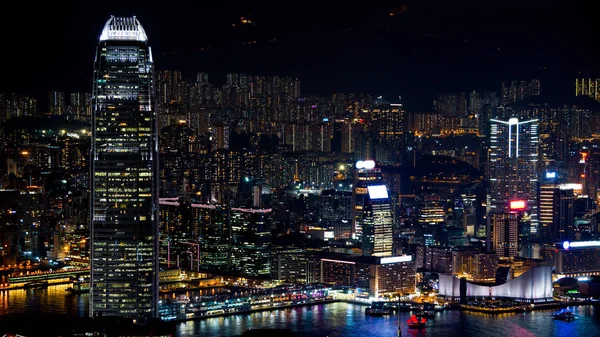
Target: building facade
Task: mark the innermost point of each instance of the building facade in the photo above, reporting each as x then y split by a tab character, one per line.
124	175
574	259
372	210
513	166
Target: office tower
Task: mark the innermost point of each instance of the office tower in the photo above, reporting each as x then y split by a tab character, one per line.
548	187
512	166
215	236
484	267
505	234
432	212
251	241
290	265
56	103
564	221
124	175
388	122
372	210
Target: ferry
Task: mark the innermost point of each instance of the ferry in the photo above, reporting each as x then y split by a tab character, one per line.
564	315
81	286
83	289
428	310
377	309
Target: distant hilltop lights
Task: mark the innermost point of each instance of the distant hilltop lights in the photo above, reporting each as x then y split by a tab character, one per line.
580	244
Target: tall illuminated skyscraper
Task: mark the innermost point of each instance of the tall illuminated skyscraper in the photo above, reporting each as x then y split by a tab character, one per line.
372	213
124	175
512	167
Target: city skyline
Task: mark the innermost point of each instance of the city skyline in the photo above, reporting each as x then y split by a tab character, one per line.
394	159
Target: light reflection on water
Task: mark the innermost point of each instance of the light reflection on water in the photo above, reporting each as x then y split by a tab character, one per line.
340	319
54	299
335	319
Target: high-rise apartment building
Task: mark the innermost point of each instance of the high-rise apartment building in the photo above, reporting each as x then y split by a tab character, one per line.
124	175
588	87
505	234
79	108
56	103
512	166
514	91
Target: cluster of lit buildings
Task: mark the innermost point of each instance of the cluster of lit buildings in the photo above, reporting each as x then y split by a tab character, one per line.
485	188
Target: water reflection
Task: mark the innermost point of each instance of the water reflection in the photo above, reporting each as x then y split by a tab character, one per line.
335	319
54	299
340	319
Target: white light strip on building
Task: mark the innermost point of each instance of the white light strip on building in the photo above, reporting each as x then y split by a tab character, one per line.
517	148
251	210
203	206
581	244
395	259
570	186
338	261
509	141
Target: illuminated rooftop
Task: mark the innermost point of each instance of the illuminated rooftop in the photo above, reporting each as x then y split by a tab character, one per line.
123	29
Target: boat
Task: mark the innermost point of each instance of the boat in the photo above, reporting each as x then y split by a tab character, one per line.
564	315
416	322
377	309
428	310
81	290
81	286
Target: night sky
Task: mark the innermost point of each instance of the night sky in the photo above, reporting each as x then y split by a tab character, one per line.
425	48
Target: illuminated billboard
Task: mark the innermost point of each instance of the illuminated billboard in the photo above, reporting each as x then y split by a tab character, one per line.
550	175
396	259
365	165
517	205
580	244
577	188
378	192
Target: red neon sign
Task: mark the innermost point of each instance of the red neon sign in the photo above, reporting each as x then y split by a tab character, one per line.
517	204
